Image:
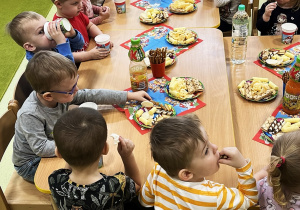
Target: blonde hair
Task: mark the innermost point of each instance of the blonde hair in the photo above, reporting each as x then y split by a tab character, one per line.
284	170
47	69
16	28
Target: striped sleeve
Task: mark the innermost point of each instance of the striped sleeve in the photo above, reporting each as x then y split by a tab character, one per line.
242	197
146	195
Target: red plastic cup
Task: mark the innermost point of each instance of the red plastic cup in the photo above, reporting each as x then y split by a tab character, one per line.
158	70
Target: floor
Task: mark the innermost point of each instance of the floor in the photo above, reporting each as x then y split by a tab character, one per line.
6	160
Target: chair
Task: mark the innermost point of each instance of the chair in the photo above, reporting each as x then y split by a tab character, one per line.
255	6
23	90
19	194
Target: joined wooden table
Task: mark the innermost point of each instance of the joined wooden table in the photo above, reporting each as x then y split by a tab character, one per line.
205	61
206	15
249	116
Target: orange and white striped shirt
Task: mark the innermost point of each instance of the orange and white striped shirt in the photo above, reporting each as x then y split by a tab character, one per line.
167	193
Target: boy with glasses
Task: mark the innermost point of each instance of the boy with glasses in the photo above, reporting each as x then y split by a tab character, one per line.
53	78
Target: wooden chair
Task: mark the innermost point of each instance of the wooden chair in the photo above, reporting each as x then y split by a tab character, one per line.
19	194
255	6
23	90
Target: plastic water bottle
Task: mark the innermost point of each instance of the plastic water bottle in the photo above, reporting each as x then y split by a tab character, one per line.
240	23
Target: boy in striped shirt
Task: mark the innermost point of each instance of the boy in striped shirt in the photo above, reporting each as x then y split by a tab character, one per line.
184	157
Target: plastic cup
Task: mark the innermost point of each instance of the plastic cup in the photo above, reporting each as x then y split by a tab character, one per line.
158	70
288	31
64	24
120	6
91	105
103	41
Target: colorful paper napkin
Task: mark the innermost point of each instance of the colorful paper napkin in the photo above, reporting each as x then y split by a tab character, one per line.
143	5
157	92
155	37
278	113
278	71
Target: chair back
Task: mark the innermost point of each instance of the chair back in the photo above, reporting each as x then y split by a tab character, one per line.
23	90
7	131
255	6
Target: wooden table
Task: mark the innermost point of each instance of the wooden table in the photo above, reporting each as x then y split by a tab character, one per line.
249	116
207	15
205	61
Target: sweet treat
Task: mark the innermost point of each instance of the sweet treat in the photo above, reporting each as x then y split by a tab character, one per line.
153	16
277	57
184	88
115	138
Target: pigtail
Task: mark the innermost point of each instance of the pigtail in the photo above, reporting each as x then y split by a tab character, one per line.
274	177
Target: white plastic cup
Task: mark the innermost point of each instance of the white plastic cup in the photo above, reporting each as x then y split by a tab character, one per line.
91	105
64	24
288	31
103	41
120	6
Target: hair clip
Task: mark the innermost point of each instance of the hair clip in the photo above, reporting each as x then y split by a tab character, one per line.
282	162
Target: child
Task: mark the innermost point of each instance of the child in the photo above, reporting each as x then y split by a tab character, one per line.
27	30
273	14
54	81
279	184
80	136
71	9
95	13
184	157
227	9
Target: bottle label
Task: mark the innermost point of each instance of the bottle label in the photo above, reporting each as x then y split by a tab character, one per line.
291	101
295	74
136	53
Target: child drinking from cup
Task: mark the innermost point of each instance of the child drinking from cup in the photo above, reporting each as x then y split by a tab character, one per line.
27	30
80	136
273	14
54	79
279	184
184	157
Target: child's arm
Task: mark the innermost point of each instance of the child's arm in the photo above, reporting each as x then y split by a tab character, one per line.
93	54
139	96
245	195
221	3
261	174
268	11
263	23
93	30
76	40
125	148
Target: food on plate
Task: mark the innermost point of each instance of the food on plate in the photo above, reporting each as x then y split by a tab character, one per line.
115	138
153	16
181	36
258	89
184	88
152	112
182	6
276	57
170	58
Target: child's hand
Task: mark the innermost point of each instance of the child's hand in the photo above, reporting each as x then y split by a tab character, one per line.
125	147
56	33
269	9
139	96
104	12
98	53
71	33
234	157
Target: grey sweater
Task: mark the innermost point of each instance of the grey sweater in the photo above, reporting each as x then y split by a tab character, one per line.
35	122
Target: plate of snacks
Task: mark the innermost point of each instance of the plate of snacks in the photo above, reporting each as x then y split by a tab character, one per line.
258	89
274	127
151	112
182	6
181	36
153	16
184	88
170	58
276	57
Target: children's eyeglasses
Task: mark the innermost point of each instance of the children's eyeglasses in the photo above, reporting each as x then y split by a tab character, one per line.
63	92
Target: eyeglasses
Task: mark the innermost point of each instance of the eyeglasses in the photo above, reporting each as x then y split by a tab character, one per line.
63	92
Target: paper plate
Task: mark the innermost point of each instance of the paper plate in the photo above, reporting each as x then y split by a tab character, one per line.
155	114
275	65
182	12
195	39
269	98
195	95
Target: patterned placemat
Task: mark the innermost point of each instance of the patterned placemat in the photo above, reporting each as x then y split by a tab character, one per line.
143	5
155	37
278	71
263	137
157	92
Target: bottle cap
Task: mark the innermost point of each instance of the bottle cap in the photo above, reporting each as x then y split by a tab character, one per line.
135	41
241	7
